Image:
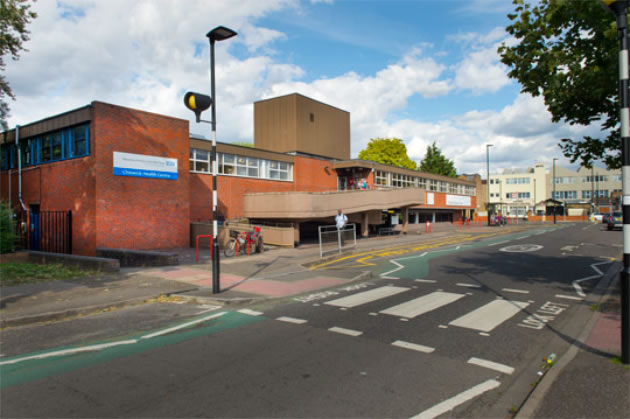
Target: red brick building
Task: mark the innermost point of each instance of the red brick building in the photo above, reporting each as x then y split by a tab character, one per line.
137	180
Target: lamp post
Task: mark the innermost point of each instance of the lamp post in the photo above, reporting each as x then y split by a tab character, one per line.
488	177
620	9
554	190
220	33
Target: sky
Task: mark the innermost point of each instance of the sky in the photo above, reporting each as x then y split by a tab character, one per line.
421	70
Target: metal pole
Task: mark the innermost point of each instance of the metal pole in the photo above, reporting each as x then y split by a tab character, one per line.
216	287
554	190
621	12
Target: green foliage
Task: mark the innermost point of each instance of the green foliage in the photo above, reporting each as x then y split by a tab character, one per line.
567	51
7	229
14	16
244	144
435	162
387	151
13	273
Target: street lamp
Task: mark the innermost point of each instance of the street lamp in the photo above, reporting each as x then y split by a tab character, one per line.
198	103
488	178
554	190
620	9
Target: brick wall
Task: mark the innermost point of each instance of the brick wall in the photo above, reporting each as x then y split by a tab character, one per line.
133	212
60	186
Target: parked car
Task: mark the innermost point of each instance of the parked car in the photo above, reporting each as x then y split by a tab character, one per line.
596	217
615	220
605	218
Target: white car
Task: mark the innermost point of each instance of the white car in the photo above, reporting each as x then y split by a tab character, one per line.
596	217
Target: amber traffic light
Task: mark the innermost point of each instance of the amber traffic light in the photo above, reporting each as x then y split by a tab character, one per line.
197	103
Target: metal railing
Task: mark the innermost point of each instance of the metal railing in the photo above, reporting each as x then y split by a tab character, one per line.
334	240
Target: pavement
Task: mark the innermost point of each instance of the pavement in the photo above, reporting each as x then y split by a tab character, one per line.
587	381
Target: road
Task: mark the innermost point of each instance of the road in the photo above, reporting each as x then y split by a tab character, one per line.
459	329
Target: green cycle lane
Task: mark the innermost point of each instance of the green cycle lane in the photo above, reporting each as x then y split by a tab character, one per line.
34	366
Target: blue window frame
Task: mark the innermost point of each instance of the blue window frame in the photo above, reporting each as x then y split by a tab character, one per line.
54	146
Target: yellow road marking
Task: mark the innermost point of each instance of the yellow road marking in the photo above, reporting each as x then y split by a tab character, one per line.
404	249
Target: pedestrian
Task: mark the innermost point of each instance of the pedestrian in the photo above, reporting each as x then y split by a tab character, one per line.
340	221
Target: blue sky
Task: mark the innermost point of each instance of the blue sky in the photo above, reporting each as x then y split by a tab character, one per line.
421	70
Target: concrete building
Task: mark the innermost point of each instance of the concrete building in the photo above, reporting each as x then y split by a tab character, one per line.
593	189
138	180
515	192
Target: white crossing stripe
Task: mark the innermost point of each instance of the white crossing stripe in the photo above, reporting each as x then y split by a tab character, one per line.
413	346
366	296
453	402
291	320
463	284
491	365
489	316
343	331
250	312
422	305
515	291
569	297
426	281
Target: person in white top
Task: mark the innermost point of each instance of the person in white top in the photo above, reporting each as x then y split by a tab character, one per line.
341	221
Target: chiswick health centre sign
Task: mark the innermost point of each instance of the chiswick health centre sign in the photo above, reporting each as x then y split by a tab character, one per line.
139	165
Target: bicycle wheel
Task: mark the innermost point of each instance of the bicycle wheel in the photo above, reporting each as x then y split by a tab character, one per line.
230	248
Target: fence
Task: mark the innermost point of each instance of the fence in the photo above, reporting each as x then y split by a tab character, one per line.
51	231
332	239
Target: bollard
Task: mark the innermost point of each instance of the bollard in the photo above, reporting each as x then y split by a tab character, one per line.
427	227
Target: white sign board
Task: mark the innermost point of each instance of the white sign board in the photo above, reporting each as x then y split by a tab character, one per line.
458	200
430	198
139	165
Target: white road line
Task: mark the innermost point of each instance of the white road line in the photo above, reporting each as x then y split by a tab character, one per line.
453	402
569	297
413	346
489	316
578	287
343	331
515	291
484	334
498	243
64	352
462	284
366	296
505	369
250	312
183	325
386	274
291	320
426	281
424	304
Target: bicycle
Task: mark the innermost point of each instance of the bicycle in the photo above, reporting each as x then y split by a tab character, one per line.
243	242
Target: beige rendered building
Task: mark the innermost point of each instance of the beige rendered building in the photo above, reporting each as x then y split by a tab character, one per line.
595	186
516	191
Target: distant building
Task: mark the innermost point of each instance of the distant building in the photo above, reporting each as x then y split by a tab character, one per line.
515	192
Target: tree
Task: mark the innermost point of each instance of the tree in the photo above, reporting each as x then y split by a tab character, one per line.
14	16
435	162
387	151
567	52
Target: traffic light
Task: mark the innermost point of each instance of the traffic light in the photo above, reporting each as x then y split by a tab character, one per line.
197	103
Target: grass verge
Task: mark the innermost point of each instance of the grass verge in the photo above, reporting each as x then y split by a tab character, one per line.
13	273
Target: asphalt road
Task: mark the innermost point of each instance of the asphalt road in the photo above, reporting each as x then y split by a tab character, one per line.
461	330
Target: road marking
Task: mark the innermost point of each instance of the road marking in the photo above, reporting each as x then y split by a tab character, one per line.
484	334
505	369
453	402
413	346
386	274
443	326
348	332
578	288
422	305
426	281
515	291
569	297
64	352
373	314
183	325
489	316
498	243
462	284
366	296
250	312
291	320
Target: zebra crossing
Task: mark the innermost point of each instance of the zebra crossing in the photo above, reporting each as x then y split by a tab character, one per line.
484	319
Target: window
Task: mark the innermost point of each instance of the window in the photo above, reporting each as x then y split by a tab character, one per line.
560	195
57	148
381	178
230	164
597	194
78	141
616	178
433	185
46	153
199	161
517	181
596	178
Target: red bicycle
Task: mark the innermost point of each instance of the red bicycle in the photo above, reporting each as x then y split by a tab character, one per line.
244	242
